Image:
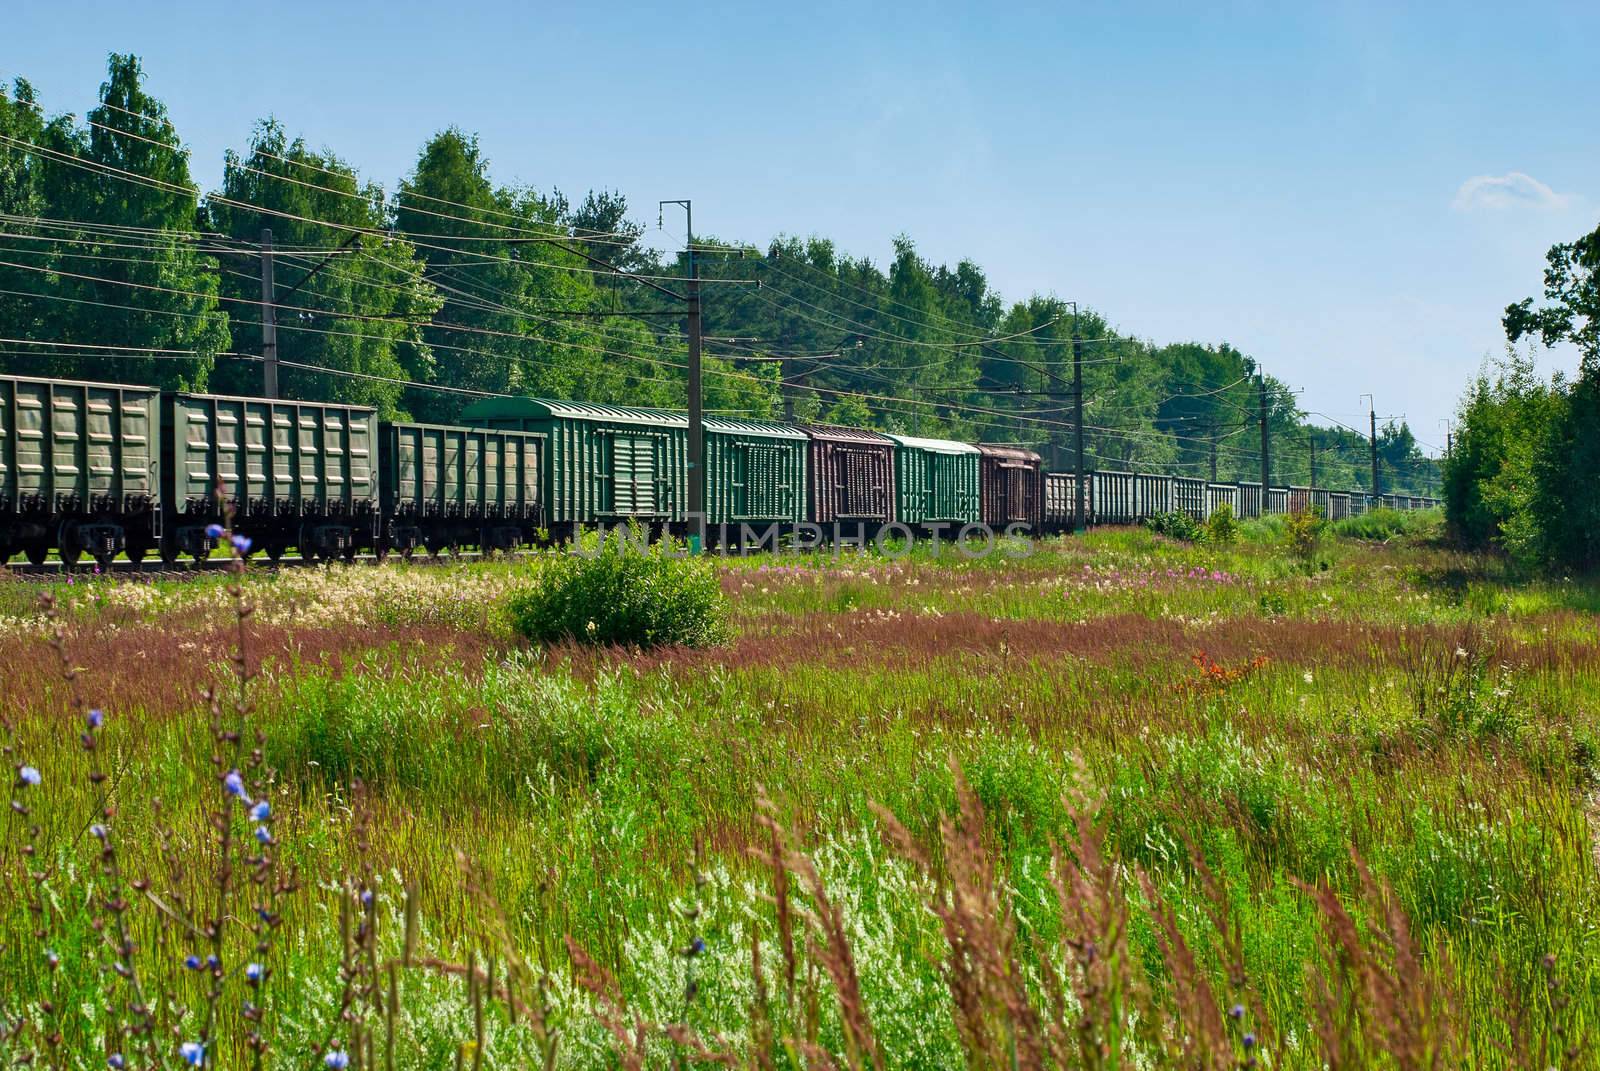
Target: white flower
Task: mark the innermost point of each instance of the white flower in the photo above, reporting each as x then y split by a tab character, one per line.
1307	676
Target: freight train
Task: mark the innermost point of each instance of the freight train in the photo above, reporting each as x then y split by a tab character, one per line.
97	470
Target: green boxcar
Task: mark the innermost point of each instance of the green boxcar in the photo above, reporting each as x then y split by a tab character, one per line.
936	481
609	462
602	462
755	473
448	486
289	473
79	469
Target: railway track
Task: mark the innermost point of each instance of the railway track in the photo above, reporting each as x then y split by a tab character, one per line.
155	569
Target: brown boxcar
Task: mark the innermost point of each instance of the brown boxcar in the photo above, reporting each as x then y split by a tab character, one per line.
852	477
1010	487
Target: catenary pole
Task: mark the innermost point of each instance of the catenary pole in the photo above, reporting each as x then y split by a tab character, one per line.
269	320
1077	421
1266	462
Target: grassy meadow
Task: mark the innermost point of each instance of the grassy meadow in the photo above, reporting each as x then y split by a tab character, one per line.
1121	802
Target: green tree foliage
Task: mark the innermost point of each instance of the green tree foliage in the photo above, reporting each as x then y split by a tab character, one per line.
1522	475
127	271
459	282
350	298
1572	286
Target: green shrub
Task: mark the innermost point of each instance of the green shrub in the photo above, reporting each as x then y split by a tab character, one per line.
1302	533
618	593
1177	525
1222	528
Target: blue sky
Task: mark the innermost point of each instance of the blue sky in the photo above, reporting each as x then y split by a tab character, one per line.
1349	192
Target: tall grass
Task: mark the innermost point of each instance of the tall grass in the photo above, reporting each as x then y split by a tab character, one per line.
1068	818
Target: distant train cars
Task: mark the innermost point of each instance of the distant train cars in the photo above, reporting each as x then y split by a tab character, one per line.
99	470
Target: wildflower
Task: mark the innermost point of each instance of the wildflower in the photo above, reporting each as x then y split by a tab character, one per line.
192	962
1307	676
366	897
97	831
116	1062
337	1060
233	784
27	775
1249	1041
96	718
193	1053
1237	1011
213	531
253	973
213	962
241	543
52	959
263	834
261	811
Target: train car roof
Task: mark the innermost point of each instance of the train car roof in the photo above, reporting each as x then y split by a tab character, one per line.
1021	453
840	433
550	408
937	446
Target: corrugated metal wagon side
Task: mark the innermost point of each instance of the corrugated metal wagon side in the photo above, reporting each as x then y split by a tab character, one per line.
755	478
1114	497
1010	487
851	482
1060	501
446	486
936	481
79	469
288	473
604	464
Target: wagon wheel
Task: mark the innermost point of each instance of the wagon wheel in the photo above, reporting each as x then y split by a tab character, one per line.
104	560
169	551
5	553
201	555
136	550
408	552
64	544
275	550
36	553
349	553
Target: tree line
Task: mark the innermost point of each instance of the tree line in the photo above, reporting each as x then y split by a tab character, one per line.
1524	475
115	265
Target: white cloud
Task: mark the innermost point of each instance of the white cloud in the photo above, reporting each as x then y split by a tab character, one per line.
1511	190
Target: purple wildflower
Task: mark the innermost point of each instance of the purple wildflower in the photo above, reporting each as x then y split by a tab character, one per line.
96	718
192	962
116	1062
261	811
1249	1041
253	973
366	897
1237	1011
241	543
193	1053
27	775
214	531
97	831
233	784
263	834
337	1060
